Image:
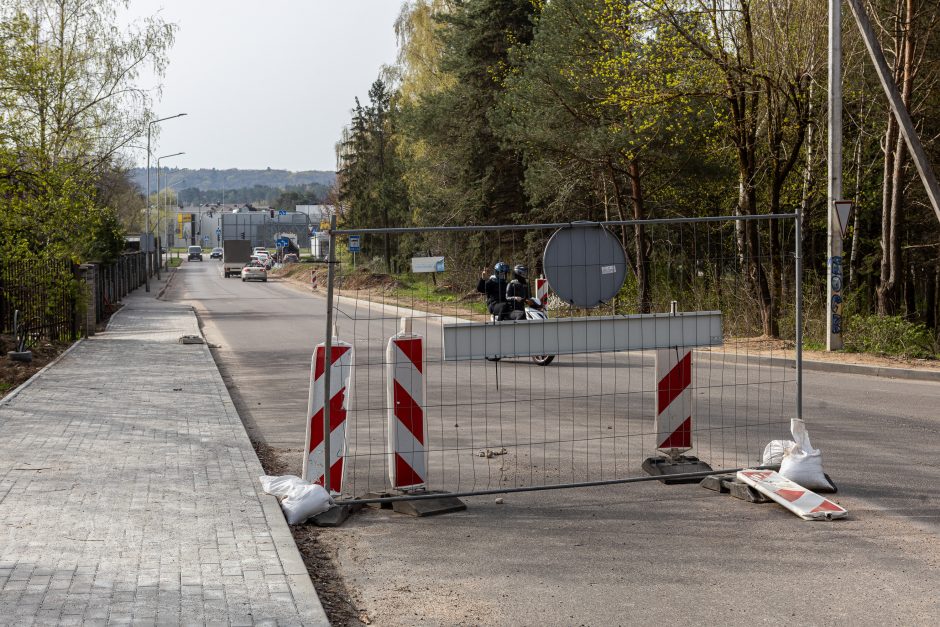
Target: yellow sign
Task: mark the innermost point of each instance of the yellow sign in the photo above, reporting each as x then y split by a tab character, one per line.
181	219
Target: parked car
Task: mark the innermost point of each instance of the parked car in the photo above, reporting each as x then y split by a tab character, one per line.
253	272
195	253
216	253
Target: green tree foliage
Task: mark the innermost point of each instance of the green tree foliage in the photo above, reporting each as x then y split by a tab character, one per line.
371	188
69	105
536	110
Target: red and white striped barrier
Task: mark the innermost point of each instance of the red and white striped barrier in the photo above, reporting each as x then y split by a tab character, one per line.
541	289
340	375
804	503
673	422
407	453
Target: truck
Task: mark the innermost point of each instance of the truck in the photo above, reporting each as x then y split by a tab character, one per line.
291	248
235	255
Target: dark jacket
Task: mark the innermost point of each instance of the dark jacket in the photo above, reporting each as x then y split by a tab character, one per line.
517	292
494	288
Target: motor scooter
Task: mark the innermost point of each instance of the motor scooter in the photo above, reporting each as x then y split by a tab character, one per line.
534	310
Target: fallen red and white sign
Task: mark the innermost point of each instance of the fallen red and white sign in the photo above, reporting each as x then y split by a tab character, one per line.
804	503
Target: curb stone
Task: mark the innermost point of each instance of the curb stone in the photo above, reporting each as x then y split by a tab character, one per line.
302	588
911	374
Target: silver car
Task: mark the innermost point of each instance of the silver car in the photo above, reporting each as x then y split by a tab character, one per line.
253	272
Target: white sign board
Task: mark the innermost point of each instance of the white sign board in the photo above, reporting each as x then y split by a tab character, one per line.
147	242
427	264
569	336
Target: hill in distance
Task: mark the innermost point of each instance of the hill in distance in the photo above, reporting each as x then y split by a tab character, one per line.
212	179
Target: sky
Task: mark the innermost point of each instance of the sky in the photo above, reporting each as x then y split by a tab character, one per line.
266	83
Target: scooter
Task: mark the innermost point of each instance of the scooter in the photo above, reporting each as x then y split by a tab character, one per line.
534	310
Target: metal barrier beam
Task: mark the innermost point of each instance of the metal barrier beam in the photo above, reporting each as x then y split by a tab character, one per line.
567	336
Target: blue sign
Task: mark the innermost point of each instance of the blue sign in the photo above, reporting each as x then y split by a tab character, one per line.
218	231
354	243
282	242
282	212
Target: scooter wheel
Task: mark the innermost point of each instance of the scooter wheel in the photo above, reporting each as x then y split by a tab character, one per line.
543	360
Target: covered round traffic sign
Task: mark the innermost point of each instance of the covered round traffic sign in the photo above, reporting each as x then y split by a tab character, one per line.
585	264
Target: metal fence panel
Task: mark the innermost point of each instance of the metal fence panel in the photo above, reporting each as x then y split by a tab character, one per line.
591	414
43	294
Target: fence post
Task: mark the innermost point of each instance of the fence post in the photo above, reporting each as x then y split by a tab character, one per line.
73	305
88	279
798	314
328	352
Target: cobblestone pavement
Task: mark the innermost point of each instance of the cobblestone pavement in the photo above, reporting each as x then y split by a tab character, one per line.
129	491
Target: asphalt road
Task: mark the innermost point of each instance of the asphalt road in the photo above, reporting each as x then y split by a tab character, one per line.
611	555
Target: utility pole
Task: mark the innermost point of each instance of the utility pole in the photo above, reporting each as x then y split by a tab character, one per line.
834	187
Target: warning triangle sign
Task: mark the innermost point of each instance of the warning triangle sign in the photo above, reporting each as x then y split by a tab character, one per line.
843	209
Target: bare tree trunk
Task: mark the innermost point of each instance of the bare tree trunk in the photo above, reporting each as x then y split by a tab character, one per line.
856	199
930	307
644	299
895	162
776	260
885	287
807	171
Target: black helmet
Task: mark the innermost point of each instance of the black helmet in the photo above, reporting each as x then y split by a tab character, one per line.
520	271
501	267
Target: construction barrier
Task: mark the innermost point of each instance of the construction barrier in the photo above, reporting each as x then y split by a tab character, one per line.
341	371
673	423
407	454
541	289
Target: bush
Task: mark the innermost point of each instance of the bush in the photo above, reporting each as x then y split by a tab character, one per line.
889	335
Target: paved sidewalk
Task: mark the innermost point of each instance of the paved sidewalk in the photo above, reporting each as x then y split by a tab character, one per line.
129	490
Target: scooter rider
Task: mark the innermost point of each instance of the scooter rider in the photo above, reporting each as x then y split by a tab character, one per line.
517	292
495	287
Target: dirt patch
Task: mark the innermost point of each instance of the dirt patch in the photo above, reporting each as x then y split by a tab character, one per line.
784	349
319	551
14	373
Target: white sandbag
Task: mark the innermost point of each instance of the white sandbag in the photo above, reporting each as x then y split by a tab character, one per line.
280	486
304	502
802	463
299	499
774	452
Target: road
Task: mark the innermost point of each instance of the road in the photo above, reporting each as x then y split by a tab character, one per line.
611	555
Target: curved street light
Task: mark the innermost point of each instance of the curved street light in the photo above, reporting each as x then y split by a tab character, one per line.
147	233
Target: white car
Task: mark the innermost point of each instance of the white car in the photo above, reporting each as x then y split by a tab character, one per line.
253	272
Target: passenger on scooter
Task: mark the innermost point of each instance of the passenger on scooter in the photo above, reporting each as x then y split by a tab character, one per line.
495	289
517	292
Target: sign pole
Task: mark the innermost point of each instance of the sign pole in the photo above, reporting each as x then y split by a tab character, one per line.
834	188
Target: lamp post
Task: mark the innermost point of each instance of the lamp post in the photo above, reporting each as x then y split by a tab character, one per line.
166	210
175	154
149	128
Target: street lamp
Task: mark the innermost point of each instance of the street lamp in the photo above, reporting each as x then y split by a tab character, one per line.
149	127
166	186
175	154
